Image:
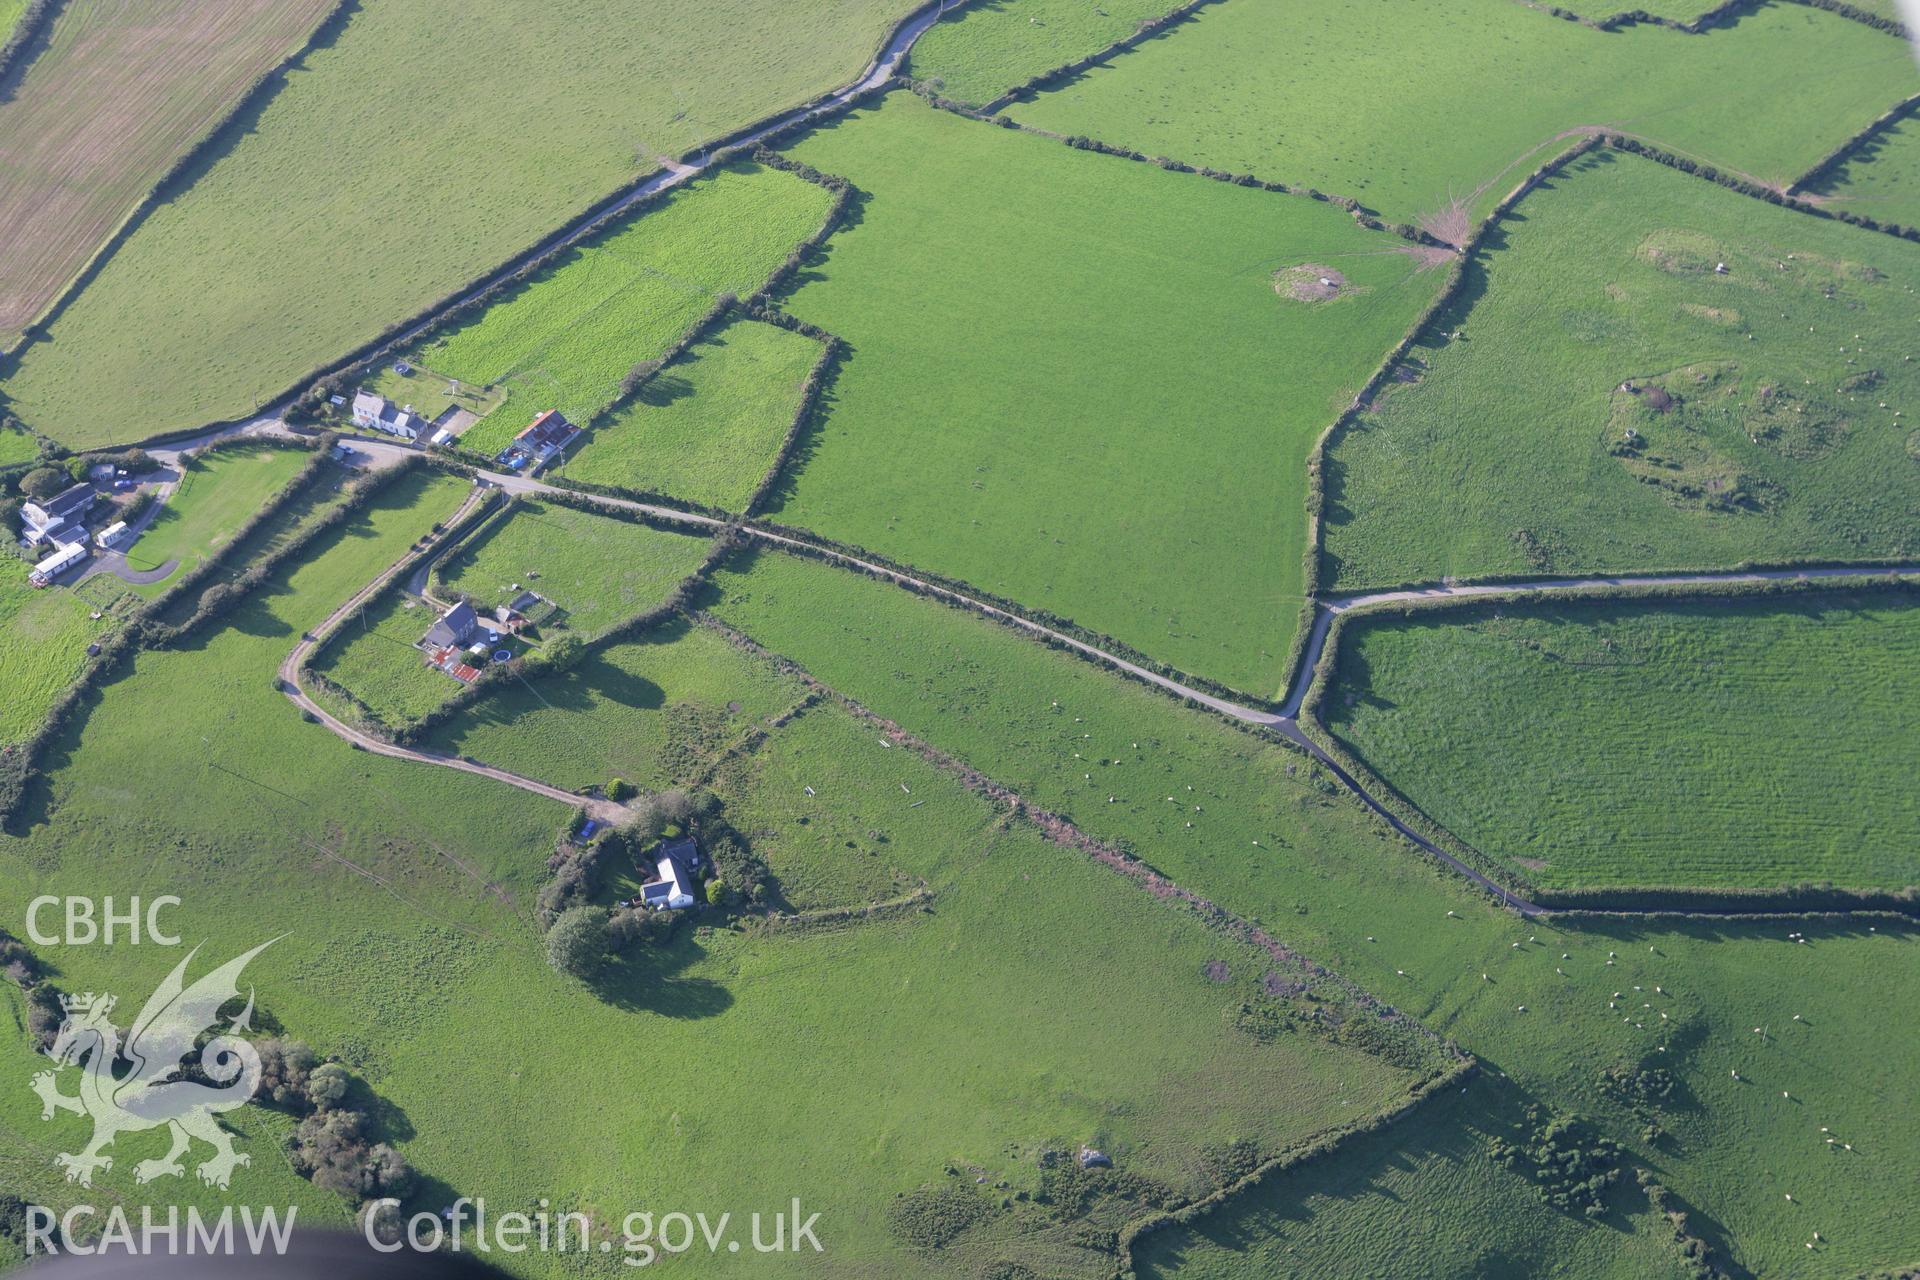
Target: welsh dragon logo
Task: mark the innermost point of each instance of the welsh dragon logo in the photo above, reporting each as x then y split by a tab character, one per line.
153	1093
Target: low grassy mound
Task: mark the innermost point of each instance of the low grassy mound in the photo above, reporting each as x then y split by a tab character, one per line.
708	427
1073	384
1788	82
1730	744
1266	832
1654	372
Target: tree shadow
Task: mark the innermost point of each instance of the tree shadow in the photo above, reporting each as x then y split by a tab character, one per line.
644	981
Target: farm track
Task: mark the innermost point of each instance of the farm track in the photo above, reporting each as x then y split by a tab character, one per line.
1283	723
291	665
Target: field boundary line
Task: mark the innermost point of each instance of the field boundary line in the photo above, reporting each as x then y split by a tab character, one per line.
293	665
1063	831
30	29
1840	155
1309	700
255	94
628	198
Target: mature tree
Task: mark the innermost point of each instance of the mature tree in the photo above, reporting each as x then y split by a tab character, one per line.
327	1085
577	942
43	482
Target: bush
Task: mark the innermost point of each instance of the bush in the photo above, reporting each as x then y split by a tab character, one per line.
43	482
285	1068
332	1150
619	789
718	895
327	1085
577	942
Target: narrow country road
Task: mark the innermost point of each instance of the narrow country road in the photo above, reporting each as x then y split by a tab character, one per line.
605	810
1283	723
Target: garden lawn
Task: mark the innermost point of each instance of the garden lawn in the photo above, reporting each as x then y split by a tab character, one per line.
567	338
373	658
598	570
1076	383
1046	1001
978	52
340	209
1771	415
1881	180
652	711
117	96
1272	837
45	634
1459	95
1755	743
709	426
213	498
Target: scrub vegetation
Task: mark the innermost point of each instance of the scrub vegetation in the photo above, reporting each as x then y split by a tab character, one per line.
1034	959
1275	837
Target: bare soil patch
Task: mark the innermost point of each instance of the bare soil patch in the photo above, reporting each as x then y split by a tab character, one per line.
1311	282
123	89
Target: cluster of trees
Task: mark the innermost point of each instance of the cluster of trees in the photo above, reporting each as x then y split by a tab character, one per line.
1695	1252
1572	1166
581	936
335	1146
24	970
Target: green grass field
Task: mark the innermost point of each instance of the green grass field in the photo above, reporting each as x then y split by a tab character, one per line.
1076	382
646	710
1882	179
706	428
566	339
1477	89
373	658
341	209
1045	1001
597	570
214	497
1770	414
1745	744
45	634
17	446
979	52
1326	880
1424	1199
